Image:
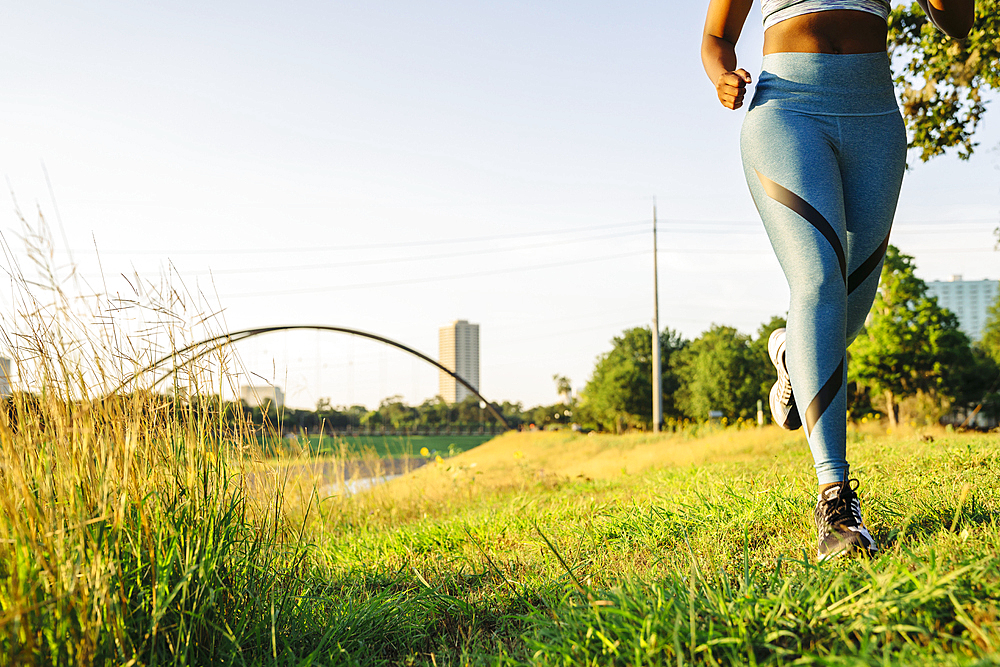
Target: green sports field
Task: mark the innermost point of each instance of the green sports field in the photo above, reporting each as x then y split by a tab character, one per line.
392	446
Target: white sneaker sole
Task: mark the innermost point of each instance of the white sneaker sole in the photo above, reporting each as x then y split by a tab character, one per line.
785	415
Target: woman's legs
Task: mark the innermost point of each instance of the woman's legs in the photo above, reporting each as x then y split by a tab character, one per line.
826	188
824	150
792	167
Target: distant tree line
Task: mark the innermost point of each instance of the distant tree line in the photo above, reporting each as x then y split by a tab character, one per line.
911	357
911	362
396	416
392	413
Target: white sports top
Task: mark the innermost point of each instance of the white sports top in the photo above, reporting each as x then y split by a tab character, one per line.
776	11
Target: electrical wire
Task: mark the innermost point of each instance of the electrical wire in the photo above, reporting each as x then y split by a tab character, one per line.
375	246
398	260
431	279
667	225
490	251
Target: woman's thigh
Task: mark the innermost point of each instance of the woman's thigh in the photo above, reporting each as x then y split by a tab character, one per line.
792	168
791	165
872	162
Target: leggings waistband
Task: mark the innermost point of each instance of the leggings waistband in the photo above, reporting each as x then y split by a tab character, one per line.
826	84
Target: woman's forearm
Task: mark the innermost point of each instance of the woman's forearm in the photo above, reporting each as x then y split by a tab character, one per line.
718	50
718	56
954	17
723	26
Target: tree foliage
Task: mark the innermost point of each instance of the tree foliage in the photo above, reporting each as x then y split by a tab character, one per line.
619	393
720	370
911	344
564	387
941	81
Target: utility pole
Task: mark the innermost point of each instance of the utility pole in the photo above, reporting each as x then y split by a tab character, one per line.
657	375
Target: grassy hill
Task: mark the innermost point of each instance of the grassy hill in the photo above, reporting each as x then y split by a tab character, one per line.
555	548
533	548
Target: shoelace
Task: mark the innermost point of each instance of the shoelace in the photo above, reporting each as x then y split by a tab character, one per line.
843	509
784	384
785	390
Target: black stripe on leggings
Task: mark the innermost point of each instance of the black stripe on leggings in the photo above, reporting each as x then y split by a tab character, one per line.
860	274
824	398
799	205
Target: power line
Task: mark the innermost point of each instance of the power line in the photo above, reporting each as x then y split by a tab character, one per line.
674	225
371	246
490	251
476	274
431	279
397	260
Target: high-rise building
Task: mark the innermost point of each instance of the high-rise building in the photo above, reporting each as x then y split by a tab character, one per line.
458	350
4	377
969	299
262	396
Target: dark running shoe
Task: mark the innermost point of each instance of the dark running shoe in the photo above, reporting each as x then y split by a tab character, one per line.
839	524
783	410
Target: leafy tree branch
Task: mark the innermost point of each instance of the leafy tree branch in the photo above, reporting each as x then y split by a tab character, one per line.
942	81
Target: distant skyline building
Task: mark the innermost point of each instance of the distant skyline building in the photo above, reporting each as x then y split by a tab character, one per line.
261	396
969	299
4	377
458	349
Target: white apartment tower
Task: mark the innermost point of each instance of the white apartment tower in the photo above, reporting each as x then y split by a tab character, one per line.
458	350
969	299
262	396
4	377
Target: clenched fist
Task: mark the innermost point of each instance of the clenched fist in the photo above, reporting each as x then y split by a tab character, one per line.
731	87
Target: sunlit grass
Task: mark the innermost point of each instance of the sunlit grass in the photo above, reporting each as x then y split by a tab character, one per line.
706	557
130	533
144	528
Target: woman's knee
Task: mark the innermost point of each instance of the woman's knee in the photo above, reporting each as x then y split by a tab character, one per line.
820	285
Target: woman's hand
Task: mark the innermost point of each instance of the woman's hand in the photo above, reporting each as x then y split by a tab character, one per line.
731	87
718	49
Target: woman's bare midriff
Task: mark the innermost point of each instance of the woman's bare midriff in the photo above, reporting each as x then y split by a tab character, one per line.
838	31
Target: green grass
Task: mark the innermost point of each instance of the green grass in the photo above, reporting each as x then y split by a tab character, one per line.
393	446
700	564
549	548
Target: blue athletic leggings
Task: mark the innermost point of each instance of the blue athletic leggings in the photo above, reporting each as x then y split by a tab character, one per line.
824	149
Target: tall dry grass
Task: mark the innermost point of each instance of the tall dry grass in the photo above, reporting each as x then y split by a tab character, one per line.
128	533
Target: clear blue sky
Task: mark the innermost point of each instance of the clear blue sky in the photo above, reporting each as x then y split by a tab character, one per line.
323	160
